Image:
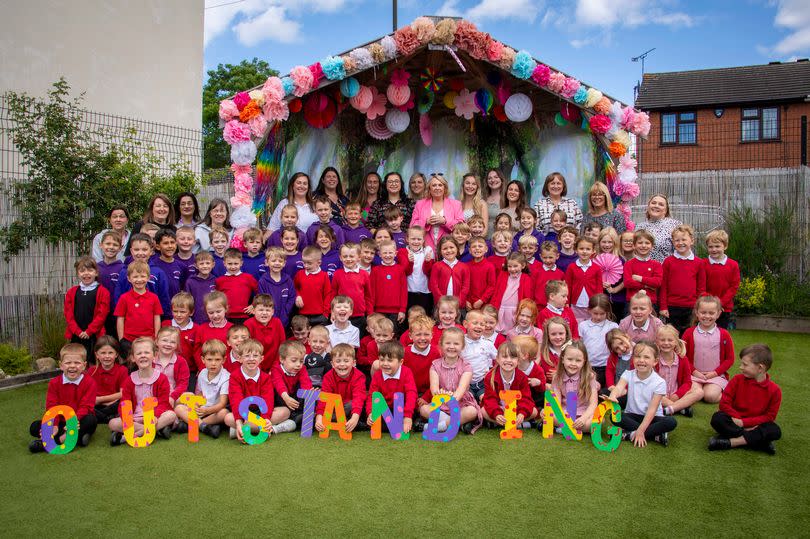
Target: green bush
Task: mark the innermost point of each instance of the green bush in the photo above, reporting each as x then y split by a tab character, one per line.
51	328
758	239
786	296
14	360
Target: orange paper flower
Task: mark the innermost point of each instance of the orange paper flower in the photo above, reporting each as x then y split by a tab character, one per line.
250	111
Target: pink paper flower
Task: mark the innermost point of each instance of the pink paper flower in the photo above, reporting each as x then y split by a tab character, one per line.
465	104
424	28
541	75
556	81
241	169
627	118
570	87
407	41
640	124
241	100
242	183
273	90
631	191
228	110
302	79
599	123
317	74
399	77
258	125
494	51
235	131
275	111
377	107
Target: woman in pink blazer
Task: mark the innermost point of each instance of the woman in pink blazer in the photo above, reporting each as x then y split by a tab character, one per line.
438	213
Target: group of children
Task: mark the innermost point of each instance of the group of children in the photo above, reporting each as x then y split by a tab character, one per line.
347	311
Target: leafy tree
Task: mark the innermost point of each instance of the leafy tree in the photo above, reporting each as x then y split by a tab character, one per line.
222	82
72	179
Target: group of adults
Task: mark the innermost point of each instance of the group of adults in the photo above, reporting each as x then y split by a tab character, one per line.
427	202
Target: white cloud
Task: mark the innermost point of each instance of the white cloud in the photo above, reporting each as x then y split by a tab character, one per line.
449	9
632	13
794	15
254	21
504	9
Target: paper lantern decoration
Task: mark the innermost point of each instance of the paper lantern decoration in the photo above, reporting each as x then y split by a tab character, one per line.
510	430
377	129
310	398
518	108
570	112
553	409
191	401
320	110
296	105
377	107
397	121
398	95
499	113
431	431
426	129
559	120
615	433
484	100
426	101
362	100
149	422
465	104
349	87
431	80
47	430
450	100
503	91
393	420
334	407
456	85
252	419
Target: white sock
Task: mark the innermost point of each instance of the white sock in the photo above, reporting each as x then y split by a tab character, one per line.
288	425
444	422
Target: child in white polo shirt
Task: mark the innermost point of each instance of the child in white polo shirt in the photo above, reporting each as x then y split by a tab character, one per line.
643	416
212	383
478	352
340	330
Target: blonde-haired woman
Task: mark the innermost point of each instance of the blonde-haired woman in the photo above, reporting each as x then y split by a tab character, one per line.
438	213
472	203
601	210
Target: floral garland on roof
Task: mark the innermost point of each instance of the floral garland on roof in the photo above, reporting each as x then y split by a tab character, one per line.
246	117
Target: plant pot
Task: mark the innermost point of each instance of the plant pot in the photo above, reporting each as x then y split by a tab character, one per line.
786	324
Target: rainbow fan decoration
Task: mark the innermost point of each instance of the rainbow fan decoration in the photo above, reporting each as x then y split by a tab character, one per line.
431	80
268	168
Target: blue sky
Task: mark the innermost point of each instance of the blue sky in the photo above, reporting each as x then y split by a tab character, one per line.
588	39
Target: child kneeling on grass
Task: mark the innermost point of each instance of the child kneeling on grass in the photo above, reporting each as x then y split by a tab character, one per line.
212	383
749	405
74	389
345	380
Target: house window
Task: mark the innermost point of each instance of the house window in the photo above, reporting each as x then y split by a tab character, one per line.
760	124
679	128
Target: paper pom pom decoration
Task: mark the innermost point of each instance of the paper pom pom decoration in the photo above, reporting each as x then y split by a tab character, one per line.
362	58
362	100
317	74
431	80
377	129
541	75
570	87
640	124
450	100
228	110
241	100
426	129
593	97
258	97
556	81
397	121
569	112
349	87
602	106
242	217
319	110
243	153
426	101
622	137
258	125
499	113
494	51
424	28
616	149
235	131
484	100
288	85
302	79
349	65
333	68
465	104
389	47
400	77
524	65
296	105
377	53
377	107
273	89
251	110
398	95
518	108
406	40
445	32
581	96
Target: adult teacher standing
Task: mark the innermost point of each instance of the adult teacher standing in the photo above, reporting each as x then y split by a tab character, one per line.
660	224
299	193
554	191
600	209
331	186
438	213
392	195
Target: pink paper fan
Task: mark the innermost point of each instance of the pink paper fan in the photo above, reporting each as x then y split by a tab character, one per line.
426	129
377	128
612	268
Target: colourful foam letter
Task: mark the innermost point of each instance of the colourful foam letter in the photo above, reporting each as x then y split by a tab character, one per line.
554	409
613	431
192	401
310	397
149	422
252	419
334	407
510	430
431	431
393	420
47	430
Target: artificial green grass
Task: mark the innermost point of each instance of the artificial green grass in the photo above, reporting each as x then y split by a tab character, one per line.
473	486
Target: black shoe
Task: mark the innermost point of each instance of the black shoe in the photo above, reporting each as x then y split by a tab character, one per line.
213	430
182	427
688	412
768	448
717	443
467	428
663	439
84	441
36	446
418	426
116	438
165	433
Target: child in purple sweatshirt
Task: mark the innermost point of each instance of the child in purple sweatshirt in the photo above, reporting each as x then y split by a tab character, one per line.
201	284
278	285
353	230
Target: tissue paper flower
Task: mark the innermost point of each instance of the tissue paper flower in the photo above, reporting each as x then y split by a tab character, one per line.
617	149
424	29
243	183
556	81
241	169
406	40
622	137
317	74
250	111
333	68
235	131
445	32
288	85
599	123
570	87
581	96
302	78
362	58
465	104
524	65
593	97
275	111
257	96
507	58
241	99
228	110
399	77
640	124
541	75
495	50
377	107
602	106
243	153
377	53
258	125
389	46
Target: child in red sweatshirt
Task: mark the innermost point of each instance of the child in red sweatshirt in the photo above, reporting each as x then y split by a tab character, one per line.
549	253
482	275
389	286
350	281
289	375
267	329
683	281
237	286
584	278
749	405
722	274
393	377
86	307
643	272
313	288
216	305
449	277
348	382
506	376
557	294
73	388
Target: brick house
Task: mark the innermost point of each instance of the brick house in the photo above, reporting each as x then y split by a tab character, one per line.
728	118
